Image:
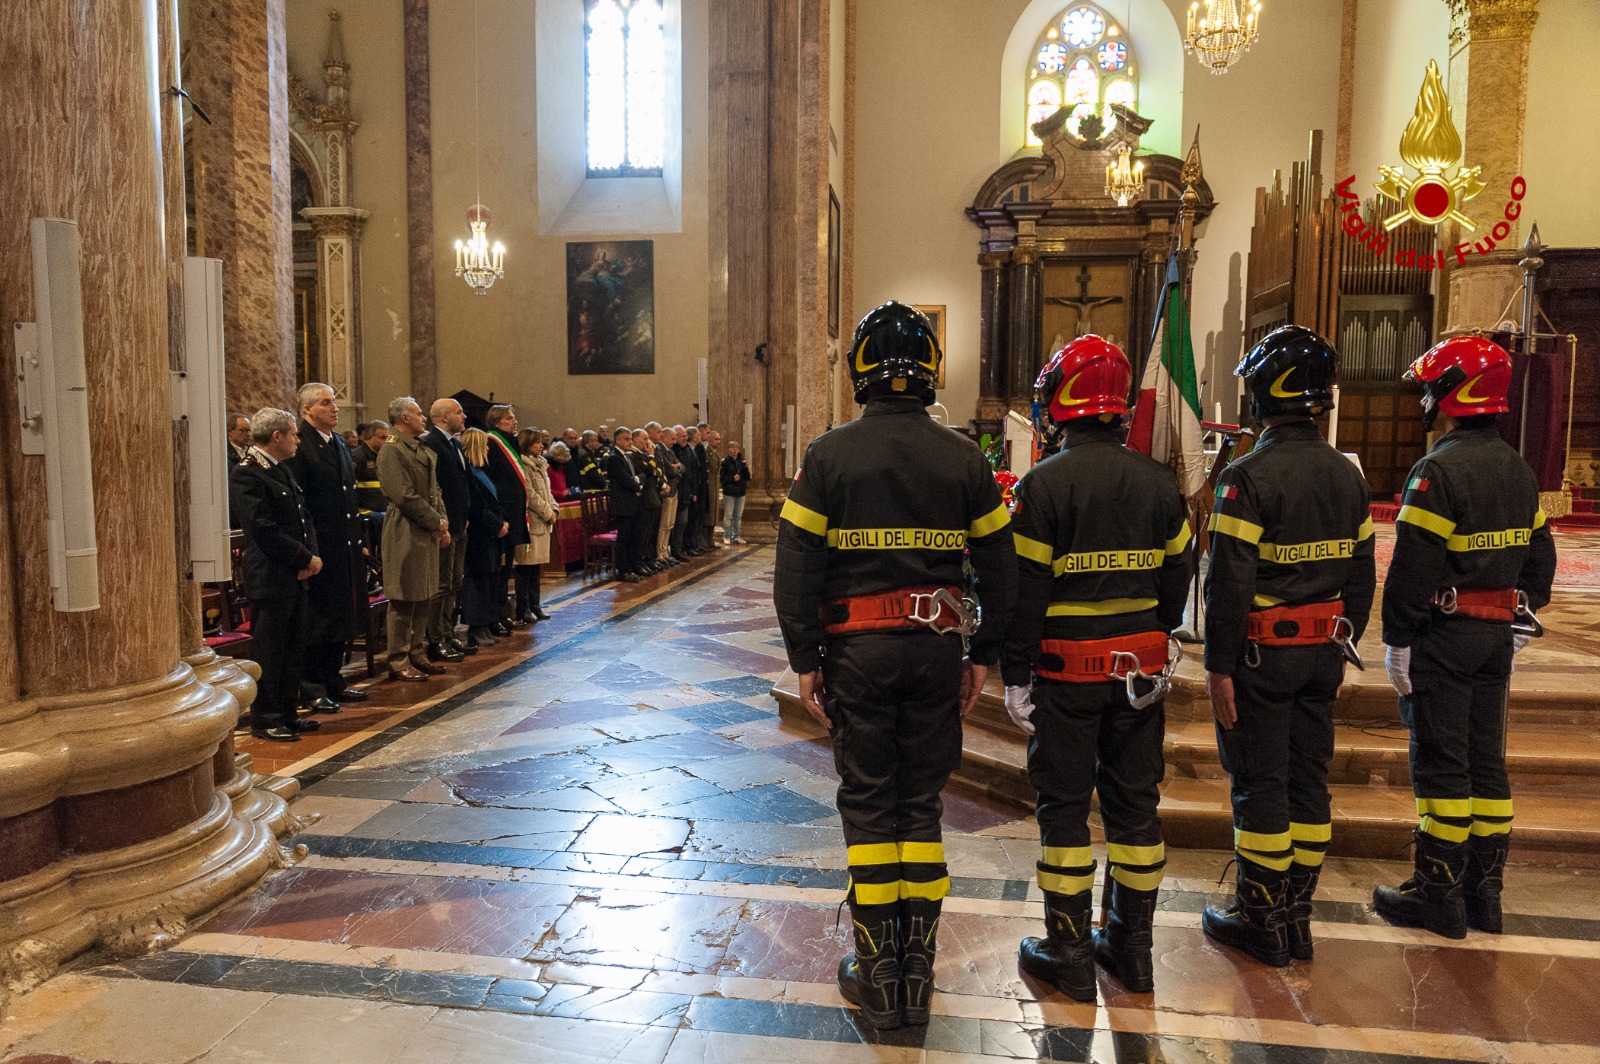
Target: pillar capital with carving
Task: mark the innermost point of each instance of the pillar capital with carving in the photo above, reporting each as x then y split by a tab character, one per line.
1485	20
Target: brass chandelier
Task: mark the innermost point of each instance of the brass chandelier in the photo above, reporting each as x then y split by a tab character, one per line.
1124	178
1223	34
479	264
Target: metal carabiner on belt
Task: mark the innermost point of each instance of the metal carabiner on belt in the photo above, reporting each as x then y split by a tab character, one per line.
1343	636
968	613
1160	683
1524	620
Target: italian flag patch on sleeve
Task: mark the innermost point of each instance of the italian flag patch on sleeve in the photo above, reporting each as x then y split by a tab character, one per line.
1228	491
1418	484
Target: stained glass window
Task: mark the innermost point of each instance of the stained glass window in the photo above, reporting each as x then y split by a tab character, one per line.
1088	61
625	55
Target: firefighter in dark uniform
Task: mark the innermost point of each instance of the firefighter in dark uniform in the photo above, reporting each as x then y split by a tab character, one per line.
591	461
868	592
1103	563
1287	598
1473	560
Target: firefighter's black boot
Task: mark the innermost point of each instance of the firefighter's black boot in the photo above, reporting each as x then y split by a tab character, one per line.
1486	865
1434	897
1302	886
1258	920
1123	946
869	978
1065	957
919	928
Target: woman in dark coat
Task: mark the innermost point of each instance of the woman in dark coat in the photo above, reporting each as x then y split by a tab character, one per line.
483	590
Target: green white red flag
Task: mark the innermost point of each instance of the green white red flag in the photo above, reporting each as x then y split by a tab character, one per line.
1166	417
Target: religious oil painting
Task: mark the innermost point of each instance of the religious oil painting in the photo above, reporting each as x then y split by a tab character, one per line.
935	316
611	316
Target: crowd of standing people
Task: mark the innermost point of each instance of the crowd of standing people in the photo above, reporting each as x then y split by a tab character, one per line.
455	521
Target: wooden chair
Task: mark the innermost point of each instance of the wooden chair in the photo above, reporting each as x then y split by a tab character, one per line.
372	605
231	635
600	540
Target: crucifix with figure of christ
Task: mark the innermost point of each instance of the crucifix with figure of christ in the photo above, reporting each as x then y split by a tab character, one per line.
1083	303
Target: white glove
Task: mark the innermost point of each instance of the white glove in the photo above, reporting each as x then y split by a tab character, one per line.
1398	661
1019	703
1519	639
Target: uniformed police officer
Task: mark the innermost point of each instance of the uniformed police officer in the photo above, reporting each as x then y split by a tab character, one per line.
868	592
1473	559
1103	563
1291	579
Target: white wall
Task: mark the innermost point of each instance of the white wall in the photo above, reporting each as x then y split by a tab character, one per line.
1394	41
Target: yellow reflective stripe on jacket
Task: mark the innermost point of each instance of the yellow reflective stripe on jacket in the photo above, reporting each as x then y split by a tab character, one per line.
1365	531
1108	561
1426	519
368	484
1538	518
1237	527
804	519
1032	549
1103	608
897	538
1319	551
993	521
1177	543
1507	537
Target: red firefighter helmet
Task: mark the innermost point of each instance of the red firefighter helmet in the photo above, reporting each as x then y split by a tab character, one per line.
1088	377
1463	376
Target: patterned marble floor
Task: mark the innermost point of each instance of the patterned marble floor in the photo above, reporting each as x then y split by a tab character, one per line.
600	843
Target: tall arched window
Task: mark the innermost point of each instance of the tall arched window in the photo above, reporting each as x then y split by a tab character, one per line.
1082	60
625	60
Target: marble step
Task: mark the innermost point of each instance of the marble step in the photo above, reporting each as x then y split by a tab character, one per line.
1558	819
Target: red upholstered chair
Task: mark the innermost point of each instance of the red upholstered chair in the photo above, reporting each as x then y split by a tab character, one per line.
600	540
231	634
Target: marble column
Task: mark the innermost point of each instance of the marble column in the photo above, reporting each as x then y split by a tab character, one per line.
239	73
813	404
1026	289
1488	86
419	203
123	812
993	311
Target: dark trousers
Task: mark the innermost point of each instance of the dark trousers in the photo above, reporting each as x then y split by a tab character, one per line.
1460	670
278	627
627	529
645	535
1088	738
893	699
324	665
527	588
1278	752
680	525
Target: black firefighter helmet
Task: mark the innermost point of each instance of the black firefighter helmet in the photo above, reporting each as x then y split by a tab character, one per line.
1290	372
894	352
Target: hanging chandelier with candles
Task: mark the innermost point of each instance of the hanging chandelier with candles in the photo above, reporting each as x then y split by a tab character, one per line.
479	264
1223	34
1124	178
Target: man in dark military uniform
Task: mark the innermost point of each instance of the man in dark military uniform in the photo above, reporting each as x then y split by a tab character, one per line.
1289	589
1103	563
1473	560
279	556
591	462
868	592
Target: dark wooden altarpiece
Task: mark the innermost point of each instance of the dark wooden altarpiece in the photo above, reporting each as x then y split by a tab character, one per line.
1060	259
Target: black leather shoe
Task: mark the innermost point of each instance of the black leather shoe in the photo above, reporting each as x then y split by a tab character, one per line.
515	624
428	668
306	724
440	652
276	734
349	694
321	705
465	646
540	615
500	628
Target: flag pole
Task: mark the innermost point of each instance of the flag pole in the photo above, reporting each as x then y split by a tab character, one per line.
1193	628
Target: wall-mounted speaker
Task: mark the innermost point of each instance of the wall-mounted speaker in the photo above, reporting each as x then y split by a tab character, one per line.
203	406
60	387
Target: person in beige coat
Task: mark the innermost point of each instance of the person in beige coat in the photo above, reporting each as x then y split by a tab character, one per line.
541	523
414	528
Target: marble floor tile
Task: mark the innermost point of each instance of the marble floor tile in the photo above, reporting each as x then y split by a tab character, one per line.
113	1023
631	835
533	829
